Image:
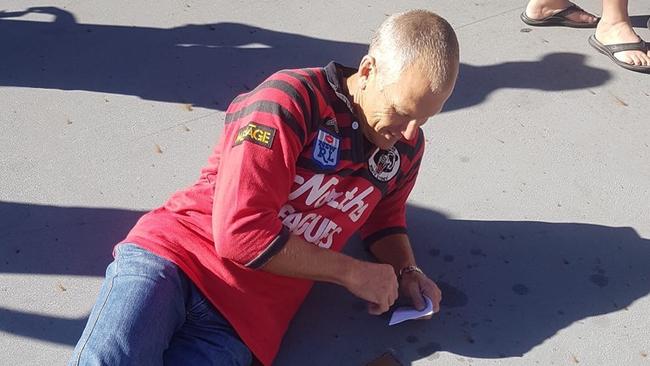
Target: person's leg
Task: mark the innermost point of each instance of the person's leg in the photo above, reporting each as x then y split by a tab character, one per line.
615	27
206	338
140	306
540	9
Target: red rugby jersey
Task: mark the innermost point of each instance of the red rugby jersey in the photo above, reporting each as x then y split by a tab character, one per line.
292	159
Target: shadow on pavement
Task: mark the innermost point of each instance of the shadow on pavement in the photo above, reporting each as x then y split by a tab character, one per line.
207	65
639	21
554	72
507	285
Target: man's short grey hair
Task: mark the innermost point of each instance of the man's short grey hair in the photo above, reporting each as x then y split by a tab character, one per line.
415	36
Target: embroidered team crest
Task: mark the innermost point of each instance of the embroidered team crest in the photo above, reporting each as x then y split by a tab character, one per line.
384	164
326	149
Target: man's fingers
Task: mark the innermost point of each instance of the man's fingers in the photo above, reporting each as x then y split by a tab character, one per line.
416	297
376	309
434	293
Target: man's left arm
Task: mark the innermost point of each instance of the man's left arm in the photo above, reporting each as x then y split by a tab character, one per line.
396	250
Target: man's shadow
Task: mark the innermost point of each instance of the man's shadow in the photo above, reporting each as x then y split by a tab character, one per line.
507	285
207	65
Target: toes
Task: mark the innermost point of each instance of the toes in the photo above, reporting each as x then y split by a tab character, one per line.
635	58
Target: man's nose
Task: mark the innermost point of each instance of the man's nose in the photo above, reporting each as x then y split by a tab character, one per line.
410	130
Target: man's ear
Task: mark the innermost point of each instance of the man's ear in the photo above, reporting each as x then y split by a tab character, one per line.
367	67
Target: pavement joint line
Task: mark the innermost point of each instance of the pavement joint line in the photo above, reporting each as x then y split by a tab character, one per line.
488	17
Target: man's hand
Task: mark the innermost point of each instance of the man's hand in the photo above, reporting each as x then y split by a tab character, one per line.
375	283
415	284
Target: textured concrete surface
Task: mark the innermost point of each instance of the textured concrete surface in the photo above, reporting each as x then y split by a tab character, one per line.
532	209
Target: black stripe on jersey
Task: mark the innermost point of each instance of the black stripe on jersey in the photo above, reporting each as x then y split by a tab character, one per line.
314	78
272	249
373	238
407	176
280	85
273	108
313	99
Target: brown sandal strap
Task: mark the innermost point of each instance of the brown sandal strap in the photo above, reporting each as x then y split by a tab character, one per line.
637	46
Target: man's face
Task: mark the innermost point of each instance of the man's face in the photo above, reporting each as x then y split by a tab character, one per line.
398	109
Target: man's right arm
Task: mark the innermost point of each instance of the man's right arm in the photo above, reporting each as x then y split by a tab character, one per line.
373	282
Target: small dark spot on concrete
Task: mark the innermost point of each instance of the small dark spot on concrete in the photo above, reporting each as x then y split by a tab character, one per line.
464	159
477	251
574	358
644	354
592	92
525	30
17	251
448	258
520	289
434	252
451	296
412	339
599	280
620	101
428	349
469	339
565	261
503	237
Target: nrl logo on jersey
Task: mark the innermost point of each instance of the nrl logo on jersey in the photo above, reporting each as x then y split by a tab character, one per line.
384	164
326	149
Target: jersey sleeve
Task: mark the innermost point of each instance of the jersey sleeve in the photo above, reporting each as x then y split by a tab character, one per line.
389	217
265	133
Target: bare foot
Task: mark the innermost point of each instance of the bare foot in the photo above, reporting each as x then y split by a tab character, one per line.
543	9
622	32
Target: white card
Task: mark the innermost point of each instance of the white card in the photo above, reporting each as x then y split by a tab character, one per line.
405	313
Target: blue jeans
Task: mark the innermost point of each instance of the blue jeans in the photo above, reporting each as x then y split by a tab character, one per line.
150	313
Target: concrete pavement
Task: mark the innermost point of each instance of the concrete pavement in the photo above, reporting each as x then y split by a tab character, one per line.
531	210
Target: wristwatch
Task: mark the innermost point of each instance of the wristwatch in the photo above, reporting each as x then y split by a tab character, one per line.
408	269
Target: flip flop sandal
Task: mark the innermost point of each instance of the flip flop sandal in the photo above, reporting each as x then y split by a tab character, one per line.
559	19
610	49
